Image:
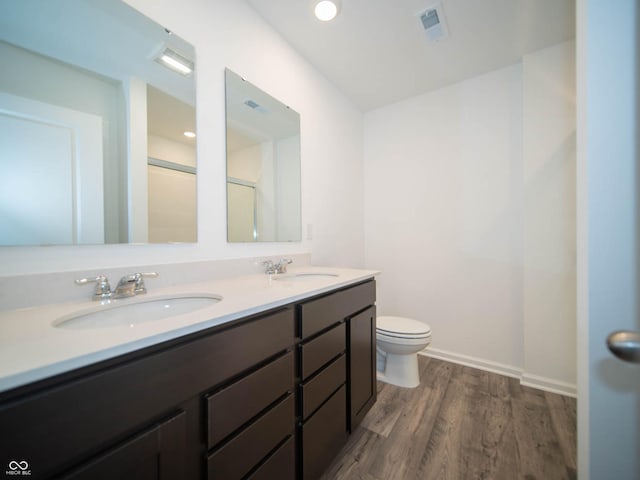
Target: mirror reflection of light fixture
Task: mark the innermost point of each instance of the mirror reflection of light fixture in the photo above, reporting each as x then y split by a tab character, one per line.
189	134
176	62
326	10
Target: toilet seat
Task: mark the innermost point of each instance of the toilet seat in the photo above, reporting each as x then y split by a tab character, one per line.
401	327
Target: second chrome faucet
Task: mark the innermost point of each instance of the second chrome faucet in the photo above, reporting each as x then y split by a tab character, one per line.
271	268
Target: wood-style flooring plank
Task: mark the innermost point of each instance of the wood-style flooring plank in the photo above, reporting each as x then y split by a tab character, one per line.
461	423
389	407
489	441
408	440
563	419
539	450
356	457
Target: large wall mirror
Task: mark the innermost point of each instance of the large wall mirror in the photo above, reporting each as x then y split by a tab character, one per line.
263	165
95	100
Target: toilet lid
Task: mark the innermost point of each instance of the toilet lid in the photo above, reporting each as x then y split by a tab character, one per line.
401	326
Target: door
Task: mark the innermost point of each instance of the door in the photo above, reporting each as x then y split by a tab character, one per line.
51	187
608	237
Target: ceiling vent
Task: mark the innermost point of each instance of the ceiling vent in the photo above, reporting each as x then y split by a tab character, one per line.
434	23
255	106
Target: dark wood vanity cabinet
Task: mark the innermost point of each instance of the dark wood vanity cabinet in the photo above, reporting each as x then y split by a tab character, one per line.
116	407
333	357
270	396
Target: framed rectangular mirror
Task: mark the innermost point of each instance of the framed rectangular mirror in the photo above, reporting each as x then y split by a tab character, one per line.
94	102
263	165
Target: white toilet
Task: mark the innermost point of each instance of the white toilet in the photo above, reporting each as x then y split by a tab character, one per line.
399	340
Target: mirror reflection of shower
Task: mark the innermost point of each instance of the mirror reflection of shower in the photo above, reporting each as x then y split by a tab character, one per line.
241	196
263	165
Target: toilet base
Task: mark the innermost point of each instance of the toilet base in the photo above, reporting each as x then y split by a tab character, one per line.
399	370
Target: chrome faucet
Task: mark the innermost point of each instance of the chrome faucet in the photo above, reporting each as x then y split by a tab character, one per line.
128	286
271	268
102	290
132	284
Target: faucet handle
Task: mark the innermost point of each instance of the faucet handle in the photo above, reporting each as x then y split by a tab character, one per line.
139	279
269	267
103	289
281	266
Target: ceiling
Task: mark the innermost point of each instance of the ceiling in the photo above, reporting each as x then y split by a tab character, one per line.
376	51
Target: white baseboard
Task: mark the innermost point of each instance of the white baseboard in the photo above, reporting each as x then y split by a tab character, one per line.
549	385
534	381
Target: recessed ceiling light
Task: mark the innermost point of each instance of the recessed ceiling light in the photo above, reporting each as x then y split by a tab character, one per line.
326	10
189	134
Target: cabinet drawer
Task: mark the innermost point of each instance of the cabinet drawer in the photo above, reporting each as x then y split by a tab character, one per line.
324	434
237	457
242	347
281	465
320	387
232	407
317	352
325	311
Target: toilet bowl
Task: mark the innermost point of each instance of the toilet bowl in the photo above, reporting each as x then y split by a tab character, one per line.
399	340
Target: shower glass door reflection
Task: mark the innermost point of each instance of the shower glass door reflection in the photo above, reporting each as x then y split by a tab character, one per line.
242	224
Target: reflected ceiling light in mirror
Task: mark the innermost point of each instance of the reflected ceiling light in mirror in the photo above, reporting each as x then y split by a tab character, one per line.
189	134
326	10
176	62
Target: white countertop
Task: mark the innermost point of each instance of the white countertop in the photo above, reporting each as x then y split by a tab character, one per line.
32	349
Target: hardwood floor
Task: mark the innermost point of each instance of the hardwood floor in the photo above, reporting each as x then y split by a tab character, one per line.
462	423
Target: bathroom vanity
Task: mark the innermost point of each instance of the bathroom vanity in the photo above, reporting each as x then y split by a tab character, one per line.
272	394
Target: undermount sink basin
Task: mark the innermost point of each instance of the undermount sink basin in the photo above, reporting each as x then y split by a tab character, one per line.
135	311
302	276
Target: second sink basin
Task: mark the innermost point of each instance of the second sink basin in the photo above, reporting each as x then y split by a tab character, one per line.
132	312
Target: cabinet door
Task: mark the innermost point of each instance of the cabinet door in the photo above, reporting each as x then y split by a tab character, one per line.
157	453
362	365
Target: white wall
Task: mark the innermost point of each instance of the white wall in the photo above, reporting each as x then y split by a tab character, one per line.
549	216
228	33
288	187
443	197
470	215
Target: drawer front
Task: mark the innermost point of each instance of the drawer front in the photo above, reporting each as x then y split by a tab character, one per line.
243	347
323	312
234	406
324	434
280	466
319	351
237	457
319	388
